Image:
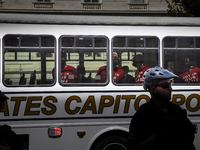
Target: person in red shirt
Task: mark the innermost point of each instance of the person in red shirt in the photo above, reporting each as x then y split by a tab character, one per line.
117	72
138	63
68	73
191	74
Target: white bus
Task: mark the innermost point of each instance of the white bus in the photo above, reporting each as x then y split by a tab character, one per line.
50	112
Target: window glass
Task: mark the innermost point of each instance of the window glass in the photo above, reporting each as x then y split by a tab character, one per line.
183	59
47	41
197	42
136	1
138	54
119	42
43	0
28	60
135	42
67	42
29	41
151	42
84	42
91	0
11	41
185	42
23	56
100	42
100	55
81	64
170	42
9	56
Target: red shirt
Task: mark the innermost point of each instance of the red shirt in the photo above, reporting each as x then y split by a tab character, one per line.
139	74
68	75
102	73
192	76
117	74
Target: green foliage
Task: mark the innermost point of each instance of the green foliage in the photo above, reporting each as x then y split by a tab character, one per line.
187	8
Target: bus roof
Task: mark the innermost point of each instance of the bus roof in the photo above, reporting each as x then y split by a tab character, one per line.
97	20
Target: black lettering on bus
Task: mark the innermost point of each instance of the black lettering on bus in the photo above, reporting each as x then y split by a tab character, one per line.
49	105
17	104
30	105
68	103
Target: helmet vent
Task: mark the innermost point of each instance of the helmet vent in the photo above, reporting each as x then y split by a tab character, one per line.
161	73
152	74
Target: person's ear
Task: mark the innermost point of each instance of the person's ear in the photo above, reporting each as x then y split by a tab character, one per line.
151	89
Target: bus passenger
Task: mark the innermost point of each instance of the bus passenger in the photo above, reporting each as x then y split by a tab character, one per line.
191	74
160	124
117	72
138	61
81	75
127	78
68	73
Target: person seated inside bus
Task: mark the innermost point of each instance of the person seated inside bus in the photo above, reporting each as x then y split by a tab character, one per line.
68	73
32	77
189	74
117	72
138	61
127	78
22	80
81	75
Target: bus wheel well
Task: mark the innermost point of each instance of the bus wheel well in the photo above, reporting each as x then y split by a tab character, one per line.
120	133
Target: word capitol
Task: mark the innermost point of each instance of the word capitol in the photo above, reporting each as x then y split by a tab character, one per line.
75	105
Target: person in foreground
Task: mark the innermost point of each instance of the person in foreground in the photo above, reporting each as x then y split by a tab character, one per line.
160	124
8	138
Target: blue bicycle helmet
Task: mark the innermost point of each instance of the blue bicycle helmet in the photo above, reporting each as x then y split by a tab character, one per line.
152	75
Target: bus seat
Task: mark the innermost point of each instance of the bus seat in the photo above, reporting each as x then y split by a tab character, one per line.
22	80
32	77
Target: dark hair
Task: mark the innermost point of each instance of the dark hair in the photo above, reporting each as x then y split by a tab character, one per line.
63	55
139	58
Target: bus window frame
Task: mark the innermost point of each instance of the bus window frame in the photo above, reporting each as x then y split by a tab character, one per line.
28	49
128	49
179	49
83	48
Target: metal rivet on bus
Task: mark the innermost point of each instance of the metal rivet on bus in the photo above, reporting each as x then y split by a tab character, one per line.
81	134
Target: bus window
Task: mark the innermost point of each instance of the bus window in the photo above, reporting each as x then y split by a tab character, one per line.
82	58
135	55
181	56
28	60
